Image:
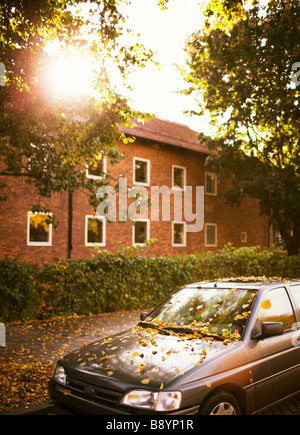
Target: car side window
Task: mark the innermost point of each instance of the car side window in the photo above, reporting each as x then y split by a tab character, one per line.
276	307
295	290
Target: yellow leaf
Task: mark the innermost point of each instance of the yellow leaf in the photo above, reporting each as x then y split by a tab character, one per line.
161	386
145	381
266	304
110	373
135	354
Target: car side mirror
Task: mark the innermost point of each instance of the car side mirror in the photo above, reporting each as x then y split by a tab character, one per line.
143	315
267	329
270	329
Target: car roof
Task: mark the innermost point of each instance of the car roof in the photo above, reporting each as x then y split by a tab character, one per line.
254	283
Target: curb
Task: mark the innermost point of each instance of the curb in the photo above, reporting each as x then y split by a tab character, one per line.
40	409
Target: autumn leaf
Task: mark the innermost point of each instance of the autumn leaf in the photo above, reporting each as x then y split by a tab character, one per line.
145	381
23	384
266	304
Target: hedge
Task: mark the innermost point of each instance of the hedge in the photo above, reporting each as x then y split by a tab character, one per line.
125	280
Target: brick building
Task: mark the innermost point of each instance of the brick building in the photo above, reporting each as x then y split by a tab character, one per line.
164	154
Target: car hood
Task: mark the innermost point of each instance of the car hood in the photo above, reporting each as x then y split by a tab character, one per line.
142	357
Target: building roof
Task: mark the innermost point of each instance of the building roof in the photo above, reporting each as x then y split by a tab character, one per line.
166	132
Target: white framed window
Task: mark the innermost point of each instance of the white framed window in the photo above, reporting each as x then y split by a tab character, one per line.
178	177
39	231
243	237
141	171
97	171
211	235
178	234
140	232
211	183
95	230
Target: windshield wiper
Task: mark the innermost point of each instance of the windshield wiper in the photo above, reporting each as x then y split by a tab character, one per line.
188	330
153	326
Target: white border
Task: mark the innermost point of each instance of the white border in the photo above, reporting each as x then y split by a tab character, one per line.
178	245
97	177
216	227
216	184
30	243
244	237
147	234
138	183
184	177
100	218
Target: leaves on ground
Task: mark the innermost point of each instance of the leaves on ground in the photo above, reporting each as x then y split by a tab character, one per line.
23	383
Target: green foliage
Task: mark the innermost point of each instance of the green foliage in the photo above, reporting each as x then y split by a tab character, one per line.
125	280
17	294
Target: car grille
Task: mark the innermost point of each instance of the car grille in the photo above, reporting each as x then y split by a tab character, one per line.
98	395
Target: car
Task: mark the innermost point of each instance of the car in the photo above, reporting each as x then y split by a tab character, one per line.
222	347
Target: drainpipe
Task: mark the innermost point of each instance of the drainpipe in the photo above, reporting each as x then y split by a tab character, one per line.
70	222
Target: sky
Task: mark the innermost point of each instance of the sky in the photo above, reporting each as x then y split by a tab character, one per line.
165	32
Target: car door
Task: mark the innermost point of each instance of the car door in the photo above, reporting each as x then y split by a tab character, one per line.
276	360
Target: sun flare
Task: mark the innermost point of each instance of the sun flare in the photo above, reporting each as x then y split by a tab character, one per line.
72	75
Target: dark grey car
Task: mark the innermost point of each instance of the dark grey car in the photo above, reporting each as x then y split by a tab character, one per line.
219	347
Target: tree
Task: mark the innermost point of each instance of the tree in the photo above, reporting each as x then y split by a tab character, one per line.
244	77
49	138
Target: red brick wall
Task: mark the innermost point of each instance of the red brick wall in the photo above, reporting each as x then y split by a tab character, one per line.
230	221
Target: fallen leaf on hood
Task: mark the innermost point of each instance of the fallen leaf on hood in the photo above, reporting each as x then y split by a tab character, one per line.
145	381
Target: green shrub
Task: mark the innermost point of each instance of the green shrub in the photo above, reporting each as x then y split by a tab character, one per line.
17	295
125	280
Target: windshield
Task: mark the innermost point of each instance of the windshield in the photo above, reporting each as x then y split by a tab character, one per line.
210	311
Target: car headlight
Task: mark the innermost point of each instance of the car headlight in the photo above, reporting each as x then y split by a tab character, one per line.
156	401
59	375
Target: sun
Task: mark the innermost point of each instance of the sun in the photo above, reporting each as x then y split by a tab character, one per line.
71	75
